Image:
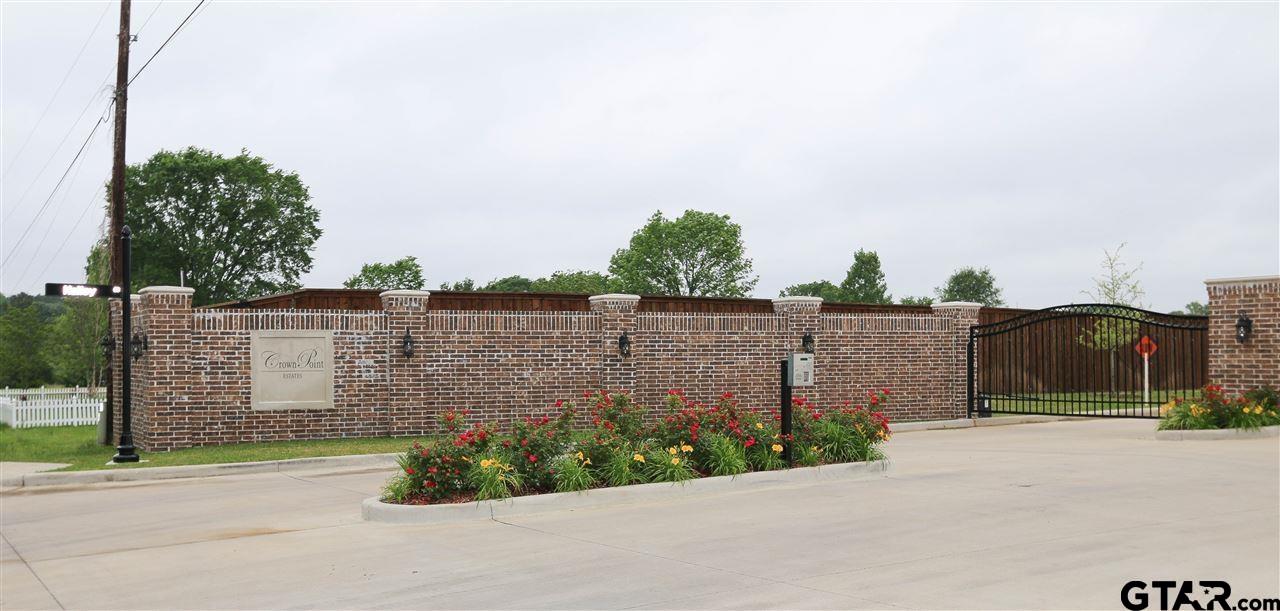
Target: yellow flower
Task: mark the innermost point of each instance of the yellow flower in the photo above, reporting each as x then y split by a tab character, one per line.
586	461
1246	409
759	425
579	455
638	458
686	448
1257	409
466	458
675	461
671	450
777	447
815	449
485	463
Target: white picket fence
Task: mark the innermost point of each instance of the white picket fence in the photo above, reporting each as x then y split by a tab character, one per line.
29	407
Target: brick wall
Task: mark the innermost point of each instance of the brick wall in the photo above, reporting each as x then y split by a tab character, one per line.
193	384
1236	365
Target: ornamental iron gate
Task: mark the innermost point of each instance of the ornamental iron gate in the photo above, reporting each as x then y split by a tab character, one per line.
1086	360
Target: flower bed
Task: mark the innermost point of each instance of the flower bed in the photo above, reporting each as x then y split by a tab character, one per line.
625	446
1211	409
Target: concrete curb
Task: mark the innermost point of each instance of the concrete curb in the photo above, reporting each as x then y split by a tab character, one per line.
374	510
136	474
62	478
1265	432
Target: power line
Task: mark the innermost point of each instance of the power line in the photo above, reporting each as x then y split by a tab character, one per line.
148	19
14	208
53	221
48	200
54	98
166	41
87	208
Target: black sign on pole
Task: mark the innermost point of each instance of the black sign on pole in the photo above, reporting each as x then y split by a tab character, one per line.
62	289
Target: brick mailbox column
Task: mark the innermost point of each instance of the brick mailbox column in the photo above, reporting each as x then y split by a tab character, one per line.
617	316
963	314
407	375
1244	365
162	378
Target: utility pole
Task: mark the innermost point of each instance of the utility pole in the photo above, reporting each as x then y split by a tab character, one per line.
117	167
115	251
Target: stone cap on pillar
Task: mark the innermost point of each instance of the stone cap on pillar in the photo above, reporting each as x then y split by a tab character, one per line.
173	295
1249	282
613	301
173	290
404	298
964	307
797	304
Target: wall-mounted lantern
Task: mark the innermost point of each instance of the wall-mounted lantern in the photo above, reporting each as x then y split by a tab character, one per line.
108	345
138	345
406	344
1244	328
624	344
806	343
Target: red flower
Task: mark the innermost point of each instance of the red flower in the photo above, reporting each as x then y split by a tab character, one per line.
430	484
560	403
749	442
884	391
409	470
432	469
533	458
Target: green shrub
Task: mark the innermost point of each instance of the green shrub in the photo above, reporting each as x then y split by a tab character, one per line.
721	455
491	478
571	473
674	464
1212	409
766	456
623	466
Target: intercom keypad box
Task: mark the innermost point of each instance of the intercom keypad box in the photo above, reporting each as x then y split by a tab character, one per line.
800	369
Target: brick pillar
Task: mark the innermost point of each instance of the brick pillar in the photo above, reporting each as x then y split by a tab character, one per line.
1240	366
617	316
802	315
162	382
407	376
963	314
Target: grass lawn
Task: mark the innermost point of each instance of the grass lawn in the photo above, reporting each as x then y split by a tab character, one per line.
77	445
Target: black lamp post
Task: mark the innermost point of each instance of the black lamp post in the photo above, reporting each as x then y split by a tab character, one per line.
126	452
1244	328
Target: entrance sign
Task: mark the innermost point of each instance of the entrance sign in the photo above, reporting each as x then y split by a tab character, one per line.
292	369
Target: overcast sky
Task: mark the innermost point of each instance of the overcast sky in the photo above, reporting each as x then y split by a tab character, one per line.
498	139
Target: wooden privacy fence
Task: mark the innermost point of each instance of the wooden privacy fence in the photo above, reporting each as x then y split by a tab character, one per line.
32	407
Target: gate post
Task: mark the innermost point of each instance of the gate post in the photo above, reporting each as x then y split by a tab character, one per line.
617	320
958	380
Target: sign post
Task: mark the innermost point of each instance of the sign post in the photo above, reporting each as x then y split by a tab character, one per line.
125	451
1146	347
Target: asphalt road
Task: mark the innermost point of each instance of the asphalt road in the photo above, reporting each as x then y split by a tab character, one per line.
1055	515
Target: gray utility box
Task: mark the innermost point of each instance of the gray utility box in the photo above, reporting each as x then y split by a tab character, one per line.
800	369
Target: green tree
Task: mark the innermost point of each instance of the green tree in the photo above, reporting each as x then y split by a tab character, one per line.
404	274
22	335
1118	283
1116	328
580	282
510	284
237	227
466	285
699	254
820	288
973	285
864	283
1195	308
916	301
71	347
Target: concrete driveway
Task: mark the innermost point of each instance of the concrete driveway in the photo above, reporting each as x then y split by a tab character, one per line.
1055	515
